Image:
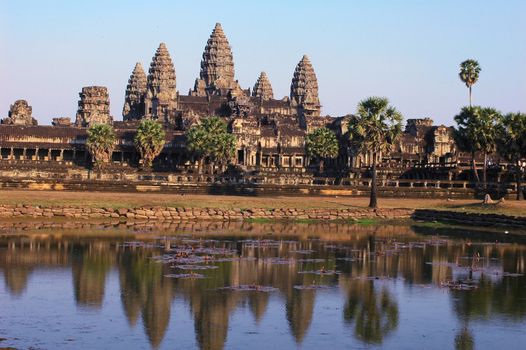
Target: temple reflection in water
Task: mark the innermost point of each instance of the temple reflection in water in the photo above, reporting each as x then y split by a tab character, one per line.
370	264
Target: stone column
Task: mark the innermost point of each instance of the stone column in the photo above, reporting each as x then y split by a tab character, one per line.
61	157
24	153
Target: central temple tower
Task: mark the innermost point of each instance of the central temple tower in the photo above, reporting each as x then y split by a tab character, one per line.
304	91
161	95
217	67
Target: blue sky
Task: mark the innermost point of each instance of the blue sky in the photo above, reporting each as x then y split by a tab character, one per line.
408	51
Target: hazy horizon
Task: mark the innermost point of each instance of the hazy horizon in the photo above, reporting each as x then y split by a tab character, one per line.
407	51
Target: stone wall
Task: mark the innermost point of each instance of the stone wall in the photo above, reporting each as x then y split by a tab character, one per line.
474	219
184	214
165	184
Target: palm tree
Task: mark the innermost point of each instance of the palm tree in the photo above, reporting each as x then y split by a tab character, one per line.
488	133
322	143
469	74
100	143
465	133
375	129
211	140
477	132
149	140
512	143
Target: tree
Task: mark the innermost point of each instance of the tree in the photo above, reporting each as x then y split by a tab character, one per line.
321	144
375	129
512	143
477	132
469	74
100	143
149	140
211	140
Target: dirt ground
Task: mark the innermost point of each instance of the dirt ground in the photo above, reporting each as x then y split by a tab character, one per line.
119	200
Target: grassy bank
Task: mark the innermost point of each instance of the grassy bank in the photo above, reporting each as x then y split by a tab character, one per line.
130	200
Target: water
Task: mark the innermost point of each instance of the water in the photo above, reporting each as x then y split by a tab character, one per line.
259	286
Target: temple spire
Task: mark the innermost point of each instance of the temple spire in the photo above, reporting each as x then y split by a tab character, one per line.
161	95
135	92
263	88
217	66
304	88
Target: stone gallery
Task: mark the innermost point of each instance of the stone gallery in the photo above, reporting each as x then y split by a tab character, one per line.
270	132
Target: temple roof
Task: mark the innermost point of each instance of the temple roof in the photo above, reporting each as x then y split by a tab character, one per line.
135	91
304	86
217	66
161	80
263	88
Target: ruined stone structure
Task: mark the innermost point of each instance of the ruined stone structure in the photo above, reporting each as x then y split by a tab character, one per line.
270	132
217	67
20	114
304	91
135	94
262	88
94	106
161	95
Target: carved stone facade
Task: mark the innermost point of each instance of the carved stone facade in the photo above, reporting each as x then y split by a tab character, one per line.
20	114
217	67
270	132
161	96
94	107
135	94
304	90
262	88
61	121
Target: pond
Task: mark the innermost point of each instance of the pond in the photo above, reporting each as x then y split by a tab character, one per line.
259	286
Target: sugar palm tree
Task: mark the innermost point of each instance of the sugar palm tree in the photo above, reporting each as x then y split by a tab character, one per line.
149	140
477	132
321	144
469	74
488	133
100	143
512	143
211	140
465	134
374	129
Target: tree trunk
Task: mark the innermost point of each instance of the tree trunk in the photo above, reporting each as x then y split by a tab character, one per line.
474	167
518	177
470	95
484	173
373	202
321	165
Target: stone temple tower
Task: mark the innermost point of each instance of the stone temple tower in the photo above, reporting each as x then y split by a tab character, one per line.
161	94
217	67
304	90
262	88
94	107
20	114
135	93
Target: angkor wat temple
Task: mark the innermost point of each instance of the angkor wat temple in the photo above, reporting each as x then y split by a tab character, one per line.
270	132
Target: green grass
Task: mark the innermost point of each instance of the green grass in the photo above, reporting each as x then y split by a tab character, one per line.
259	220
364	221
361	222
434	224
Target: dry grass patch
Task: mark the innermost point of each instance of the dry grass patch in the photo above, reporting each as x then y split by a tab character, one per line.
128	200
